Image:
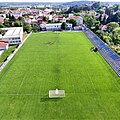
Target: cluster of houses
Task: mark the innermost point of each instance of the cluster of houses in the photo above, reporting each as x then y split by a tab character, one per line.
61	19
33	16
36	16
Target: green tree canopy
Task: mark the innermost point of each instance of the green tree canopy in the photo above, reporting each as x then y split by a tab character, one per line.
27	28
1	26
18	23
63	26
73	22
112	26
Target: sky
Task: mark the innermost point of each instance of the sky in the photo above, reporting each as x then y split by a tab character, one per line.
55	0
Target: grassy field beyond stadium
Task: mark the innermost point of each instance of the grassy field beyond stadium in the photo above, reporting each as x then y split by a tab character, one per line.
64	61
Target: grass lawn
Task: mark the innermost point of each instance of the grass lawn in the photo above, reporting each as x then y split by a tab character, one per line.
51	60
6	53
24	35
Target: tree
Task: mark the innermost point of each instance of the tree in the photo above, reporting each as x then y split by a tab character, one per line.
117	30
13	18
45	18
2	32
1	26
73	22
89	20
116	17
100	11
63	26
116	38
107	39
7	15
109	11
97	24
18	23
35	28
100	33
27	28
116	35
104	20
100	18
96	5
21	19
117	7
49	21
112	26
6	23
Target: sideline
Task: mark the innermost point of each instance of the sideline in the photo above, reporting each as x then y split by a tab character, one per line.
13	54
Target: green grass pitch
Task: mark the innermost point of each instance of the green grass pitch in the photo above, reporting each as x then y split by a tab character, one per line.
64	61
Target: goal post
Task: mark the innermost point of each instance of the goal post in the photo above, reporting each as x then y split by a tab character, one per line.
56	93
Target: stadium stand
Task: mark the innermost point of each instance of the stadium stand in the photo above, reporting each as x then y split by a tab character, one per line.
110	56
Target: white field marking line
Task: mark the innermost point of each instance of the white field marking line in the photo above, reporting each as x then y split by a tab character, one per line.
20	94
15	94
21	84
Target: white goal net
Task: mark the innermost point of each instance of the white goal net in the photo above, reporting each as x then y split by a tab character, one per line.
56	93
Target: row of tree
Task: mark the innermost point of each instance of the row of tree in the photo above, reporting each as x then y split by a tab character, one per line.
10	21
97	6
111	35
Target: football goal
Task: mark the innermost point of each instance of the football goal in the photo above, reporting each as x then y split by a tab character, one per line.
56	93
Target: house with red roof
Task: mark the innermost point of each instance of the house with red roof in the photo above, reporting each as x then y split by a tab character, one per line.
1	20
79	19
3	46
103	27
28	20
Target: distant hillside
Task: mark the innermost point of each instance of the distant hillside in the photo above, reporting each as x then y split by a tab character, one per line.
85	2
75	3
8	4
112	2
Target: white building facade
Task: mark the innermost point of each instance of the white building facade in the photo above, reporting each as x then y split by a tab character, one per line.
80	21
55	26
12	36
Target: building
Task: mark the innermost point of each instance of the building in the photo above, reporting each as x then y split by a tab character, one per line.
69	26
1	20
27	20
3	46
54	26
12	35
78	19
103	27
16	14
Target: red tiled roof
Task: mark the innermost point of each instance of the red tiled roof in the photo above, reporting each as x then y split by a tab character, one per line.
74	17
103	15
3	44
1	19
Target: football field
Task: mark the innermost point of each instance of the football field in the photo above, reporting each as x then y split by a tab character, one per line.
64	61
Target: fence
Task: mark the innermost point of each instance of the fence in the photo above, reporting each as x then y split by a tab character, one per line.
109	55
